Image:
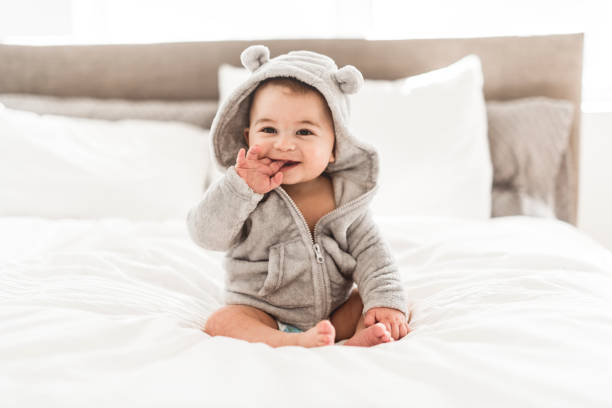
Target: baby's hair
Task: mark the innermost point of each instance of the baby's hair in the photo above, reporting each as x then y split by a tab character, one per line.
296	86
292	83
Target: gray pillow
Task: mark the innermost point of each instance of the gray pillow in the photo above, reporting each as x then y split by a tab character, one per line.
198	112
528	141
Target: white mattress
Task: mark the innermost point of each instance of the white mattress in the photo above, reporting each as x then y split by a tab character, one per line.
513	311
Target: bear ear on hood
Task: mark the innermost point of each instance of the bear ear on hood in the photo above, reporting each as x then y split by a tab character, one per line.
349	79
254	57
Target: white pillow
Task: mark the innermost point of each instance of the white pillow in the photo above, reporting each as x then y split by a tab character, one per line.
60	167
229	78
431	134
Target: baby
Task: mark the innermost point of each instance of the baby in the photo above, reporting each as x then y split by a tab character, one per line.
291	210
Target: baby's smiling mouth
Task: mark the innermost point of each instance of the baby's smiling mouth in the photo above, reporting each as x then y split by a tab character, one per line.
288	164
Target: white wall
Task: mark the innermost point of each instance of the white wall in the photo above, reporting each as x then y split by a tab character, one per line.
595	193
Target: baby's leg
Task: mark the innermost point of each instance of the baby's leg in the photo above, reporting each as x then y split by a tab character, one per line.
346	317
349	323
256	326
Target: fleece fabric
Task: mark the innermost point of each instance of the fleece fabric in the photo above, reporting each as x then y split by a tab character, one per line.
272	260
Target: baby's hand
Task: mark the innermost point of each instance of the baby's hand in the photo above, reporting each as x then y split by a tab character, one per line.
394	319
261	175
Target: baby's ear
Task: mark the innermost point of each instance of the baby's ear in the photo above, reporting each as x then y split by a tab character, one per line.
332	156
349	79
254	57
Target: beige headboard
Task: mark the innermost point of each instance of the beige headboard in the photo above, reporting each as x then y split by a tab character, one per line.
513	67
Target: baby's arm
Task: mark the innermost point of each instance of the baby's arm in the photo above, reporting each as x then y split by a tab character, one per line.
216	222
376	272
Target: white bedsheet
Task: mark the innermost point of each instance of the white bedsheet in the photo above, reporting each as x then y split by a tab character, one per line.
513	311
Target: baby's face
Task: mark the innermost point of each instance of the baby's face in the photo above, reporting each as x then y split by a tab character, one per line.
292	126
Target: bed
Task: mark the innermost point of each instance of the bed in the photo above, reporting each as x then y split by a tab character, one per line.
99	310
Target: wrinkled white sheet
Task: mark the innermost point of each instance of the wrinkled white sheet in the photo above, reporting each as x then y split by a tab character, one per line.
512	311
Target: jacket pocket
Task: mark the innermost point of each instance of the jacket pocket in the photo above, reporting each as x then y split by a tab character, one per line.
340	266
289	280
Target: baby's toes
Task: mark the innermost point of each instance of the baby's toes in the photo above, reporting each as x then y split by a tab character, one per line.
325	340
325	326
326	332
382	333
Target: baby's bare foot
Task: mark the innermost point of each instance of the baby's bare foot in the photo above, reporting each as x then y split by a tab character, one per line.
371	336
323	334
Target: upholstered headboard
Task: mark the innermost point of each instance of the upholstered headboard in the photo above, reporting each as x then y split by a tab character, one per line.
513	67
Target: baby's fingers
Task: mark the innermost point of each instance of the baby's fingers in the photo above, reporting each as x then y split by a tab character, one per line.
388	325
395	330
253	153
370	318
240	157
268	169
276	180
275	166
403	329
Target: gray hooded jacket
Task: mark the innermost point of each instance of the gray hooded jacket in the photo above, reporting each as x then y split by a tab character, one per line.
272	261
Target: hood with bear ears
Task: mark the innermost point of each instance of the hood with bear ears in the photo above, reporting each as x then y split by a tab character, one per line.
355	169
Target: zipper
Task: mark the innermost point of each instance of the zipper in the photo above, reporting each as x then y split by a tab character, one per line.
318	253
315	245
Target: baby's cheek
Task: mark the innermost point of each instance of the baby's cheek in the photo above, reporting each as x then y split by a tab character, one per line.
319	160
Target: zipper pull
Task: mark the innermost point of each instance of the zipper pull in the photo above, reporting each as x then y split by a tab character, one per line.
317	250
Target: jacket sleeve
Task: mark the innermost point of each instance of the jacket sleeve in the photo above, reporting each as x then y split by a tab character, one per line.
216	222
376	273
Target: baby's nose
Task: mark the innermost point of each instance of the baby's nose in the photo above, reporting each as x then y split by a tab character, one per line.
284	143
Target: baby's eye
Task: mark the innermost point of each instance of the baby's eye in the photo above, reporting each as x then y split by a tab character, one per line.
305	130
264	129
